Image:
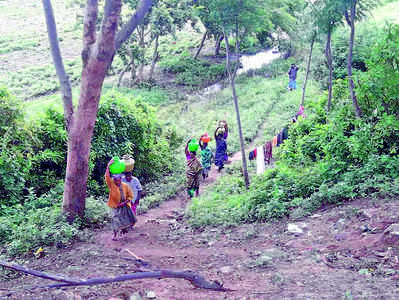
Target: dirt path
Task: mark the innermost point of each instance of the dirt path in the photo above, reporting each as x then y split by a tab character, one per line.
331	259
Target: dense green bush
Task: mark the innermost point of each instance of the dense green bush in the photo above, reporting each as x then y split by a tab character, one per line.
127	125
13	147
48	160
192	72
378	88
33	156
39	223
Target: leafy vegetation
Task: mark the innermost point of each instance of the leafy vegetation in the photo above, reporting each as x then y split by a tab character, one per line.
39	223
192	72
34	154
37	81
327	159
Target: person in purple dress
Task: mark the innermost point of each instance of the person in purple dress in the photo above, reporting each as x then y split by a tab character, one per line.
223	124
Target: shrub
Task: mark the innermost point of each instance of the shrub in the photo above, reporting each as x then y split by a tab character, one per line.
192	72
14	166
128	125
223	205
33	156
39	223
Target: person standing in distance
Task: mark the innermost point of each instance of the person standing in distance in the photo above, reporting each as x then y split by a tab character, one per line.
292	73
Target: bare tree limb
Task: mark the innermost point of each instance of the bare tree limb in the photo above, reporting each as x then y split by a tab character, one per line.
196	280
232	75
133	22
89	29
36	273
155	57
58	63
201	44
308	68
123	73
347	18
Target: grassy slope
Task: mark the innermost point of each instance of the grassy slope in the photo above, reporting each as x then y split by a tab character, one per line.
26	67
213	207
274	108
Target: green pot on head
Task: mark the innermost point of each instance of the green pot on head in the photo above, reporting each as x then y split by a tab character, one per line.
117	166
193	145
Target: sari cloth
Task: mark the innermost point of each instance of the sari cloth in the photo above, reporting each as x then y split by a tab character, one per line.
123	217
193	172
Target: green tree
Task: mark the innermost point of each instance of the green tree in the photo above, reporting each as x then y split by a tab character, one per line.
353	11
165	18
379	86
238	19
97	55
328	16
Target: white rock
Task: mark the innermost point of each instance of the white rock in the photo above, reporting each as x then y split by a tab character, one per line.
135	296
151	295
393	229
226	270
292	228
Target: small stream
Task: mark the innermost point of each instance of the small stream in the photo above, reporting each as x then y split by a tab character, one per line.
248	62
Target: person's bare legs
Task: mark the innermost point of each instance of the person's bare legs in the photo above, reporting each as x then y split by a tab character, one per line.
114	238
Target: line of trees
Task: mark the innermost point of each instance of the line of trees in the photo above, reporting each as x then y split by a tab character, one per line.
224	20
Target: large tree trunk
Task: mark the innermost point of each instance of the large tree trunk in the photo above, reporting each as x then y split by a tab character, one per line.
330	69
218	44
96	55
155	58
350	55
307	70
232	76
201	45
58	63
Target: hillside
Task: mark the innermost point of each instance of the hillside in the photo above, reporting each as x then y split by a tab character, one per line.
321	222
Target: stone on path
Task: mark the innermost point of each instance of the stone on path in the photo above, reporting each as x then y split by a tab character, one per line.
226	270
151	295
136	296
295	229
391	235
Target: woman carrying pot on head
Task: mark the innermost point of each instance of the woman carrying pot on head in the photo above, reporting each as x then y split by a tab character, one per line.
221	147
120	197
132	181
193	169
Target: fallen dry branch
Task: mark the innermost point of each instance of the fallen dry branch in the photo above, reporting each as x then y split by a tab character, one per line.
36	273
196	280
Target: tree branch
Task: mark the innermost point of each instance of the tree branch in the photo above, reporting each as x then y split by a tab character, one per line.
226	41
58	63
133	22
196	280
105	49
36	273
347	18
89	29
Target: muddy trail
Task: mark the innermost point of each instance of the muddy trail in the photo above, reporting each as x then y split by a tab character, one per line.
337	253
